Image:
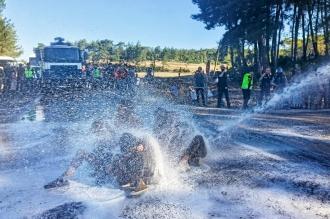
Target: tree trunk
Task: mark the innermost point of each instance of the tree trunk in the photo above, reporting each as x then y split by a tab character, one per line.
275	32
304	56
326	27
231	52
279	41
296	34
292	29
262	52
310	17
317	23
256	57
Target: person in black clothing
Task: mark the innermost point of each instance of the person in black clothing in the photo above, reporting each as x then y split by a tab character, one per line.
200	84
134	166
20	77
265	85
8	77
279	81
222	80
195	152
178	138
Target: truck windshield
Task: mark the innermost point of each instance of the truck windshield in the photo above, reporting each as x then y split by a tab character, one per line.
61	55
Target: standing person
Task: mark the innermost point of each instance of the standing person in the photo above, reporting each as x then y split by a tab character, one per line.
247	84
222	80
149	77
8	77
2	79
131	81
265	85
13	84
200	81
20	77
29	74
279	81
121	75
96	77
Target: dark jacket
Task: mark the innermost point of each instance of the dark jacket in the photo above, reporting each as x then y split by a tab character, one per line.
222	79
200	80
265	82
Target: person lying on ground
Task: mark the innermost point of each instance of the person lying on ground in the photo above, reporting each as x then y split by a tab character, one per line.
134	166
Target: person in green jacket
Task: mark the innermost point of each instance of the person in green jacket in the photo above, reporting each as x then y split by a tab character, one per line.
247	85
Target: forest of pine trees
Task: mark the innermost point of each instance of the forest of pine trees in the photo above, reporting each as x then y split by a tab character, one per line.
268	32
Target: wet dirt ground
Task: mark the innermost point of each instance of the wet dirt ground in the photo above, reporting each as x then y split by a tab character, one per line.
259	165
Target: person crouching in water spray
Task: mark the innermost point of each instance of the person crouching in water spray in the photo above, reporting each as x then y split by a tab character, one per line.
194	153
133	167
174	133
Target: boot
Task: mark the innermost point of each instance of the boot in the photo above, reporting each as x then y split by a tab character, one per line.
57	183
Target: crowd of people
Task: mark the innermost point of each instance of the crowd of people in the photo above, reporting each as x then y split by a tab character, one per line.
93	76
124	78
17	78
312	95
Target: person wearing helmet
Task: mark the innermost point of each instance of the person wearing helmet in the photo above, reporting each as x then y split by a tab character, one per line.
279	81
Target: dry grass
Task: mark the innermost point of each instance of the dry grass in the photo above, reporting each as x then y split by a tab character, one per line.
165	74
173	66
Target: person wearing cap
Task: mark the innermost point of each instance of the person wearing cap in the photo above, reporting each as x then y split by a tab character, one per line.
247	84
222	82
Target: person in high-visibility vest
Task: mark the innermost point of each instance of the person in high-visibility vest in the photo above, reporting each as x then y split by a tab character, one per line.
96	73
96	77
247	84
29	75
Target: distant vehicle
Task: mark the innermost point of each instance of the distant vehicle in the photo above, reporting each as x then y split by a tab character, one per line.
5	60
60	62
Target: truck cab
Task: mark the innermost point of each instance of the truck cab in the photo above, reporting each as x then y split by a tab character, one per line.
60	62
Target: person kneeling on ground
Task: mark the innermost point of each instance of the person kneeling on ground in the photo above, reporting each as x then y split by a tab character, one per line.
174	134
134	166
194	153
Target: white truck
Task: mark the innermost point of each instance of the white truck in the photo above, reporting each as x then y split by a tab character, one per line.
60	63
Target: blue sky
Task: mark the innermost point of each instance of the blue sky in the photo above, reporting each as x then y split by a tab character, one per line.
152	22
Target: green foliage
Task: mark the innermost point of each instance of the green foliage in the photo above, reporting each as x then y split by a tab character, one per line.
262	25
8	36
8	39
107	51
